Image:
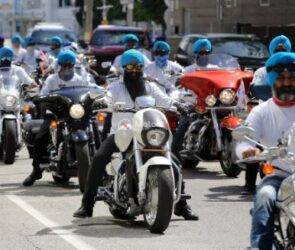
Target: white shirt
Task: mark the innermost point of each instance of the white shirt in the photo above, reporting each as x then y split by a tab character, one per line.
164	75
54	82
259	77
21	74
270	122
19	53
28	60
117	92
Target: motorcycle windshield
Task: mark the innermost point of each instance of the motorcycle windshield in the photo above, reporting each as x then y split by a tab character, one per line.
76	93
217	62
9	85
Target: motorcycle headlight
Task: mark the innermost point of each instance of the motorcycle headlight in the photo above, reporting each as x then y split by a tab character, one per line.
210	100
156	137
227	96
10	101
77	111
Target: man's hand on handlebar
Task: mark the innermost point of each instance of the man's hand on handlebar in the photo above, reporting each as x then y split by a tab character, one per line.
251	152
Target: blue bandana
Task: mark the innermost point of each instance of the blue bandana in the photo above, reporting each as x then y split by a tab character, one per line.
161	61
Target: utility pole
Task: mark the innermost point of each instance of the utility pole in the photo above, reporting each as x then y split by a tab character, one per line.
105	8
88	7
128	6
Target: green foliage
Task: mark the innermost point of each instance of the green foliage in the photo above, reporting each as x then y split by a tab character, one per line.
144	10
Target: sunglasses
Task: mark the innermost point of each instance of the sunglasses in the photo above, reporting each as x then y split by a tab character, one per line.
133	67
67	65
6	59
160	53
203	53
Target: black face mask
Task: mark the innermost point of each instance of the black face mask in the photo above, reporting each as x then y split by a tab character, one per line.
285	93
66	74
5	64
135	84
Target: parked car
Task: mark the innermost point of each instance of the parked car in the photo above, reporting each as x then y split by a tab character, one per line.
248	49
106	43
43	32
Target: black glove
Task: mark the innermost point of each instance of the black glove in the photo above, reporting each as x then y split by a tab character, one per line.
181	108
100	104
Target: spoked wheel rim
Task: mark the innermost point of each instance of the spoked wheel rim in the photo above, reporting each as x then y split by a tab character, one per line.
151	207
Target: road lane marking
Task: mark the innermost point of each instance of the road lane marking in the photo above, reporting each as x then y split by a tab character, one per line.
63	233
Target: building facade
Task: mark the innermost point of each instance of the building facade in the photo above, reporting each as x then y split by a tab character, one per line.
193	16
18	16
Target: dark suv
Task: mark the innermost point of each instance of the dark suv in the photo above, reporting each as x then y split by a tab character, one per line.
248	49
106	43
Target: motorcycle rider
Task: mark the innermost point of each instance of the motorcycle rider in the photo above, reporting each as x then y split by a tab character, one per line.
28	60
278	44
65	77
130	41
17	48
270	120
162	67
126	90
201	48
56	46
7	69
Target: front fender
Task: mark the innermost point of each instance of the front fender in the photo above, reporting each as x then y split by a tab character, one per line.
80	136
158	161
9	117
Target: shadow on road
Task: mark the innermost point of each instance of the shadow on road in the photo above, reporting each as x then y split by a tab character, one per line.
106	227
228	194
41	188
203	173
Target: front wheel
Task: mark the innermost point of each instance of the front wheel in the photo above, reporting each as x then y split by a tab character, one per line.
159	203
226	160
9	141
83	163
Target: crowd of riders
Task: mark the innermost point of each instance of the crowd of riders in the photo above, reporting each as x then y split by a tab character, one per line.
141	73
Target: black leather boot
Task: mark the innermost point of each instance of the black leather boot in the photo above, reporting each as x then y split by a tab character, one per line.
86	210
184	210
35	175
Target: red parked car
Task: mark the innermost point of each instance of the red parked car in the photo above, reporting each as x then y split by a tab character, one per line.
106	43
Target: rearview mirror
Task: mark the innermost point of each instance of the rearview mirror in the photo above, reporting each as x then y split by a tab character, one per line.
242	132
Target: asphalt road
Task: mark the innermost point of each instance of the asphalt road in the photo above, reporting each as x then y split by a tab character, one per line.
40	217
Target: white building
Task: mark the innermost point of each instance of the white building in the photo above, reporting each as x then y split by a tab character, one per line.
17	16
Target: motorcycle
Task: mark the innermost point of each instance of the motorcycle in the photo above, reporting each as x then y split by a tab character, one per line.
143	170
284	233
74	134
220	86
10	127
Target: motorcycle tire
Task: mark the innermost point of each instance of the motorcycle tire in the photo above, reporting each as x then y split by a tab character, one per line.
225	158
10	141
60	179
158	220
83	163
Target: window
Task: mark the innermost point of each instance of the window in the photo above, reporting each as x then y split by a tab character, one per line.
264	3
230	3
64	3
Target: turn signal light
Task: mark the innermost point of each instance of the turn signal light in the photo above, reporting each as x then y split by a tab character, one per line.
267	168
54	124
26	108
101	118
